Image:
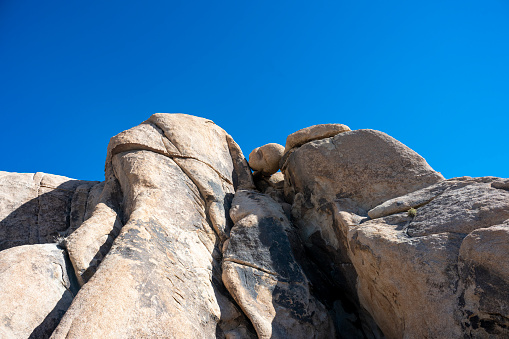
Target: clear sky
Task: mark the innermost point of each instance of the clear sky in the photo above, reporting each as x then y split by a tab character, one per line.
432	74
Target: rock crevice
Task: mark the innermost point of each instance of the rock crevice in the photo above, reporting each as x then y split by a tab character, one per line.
182	240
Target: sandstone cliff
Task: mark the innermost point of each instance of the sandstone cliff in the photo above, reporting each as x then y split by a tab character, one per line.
356	237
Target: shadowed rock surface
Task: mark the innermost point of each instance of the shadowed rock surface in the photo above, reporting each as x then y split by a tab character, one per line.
36	208
181	240
35	290
261	273
433	271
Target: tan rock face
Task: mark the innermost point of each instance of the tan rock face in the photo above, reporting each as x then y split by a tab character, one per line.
266	158
159	272
352	171
311	133
162	276
364	167
431	278
182	241
35	290
88	245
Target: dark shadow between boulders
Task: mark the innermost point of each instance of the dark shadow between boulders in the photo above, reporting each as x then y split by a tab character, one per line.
31	224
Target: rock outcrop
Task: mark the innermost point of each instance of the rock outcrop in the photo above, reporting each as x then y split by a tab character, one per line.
36	288
263	276
315	132
37	208
356	237
430	277
265	159
162	276
351	194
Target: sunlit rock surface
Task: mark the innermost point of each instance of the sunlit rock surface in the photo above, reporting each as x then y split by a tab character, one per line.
181	240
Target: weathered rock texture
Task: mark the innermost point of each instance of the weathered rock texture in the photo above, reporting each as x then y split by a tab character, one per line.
182	241
261	273
37	208
35	290
162	276
407	273
433	274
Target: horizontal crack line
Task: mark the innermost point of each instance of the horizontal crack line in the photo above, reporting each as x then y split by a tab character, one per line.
169	154
245	263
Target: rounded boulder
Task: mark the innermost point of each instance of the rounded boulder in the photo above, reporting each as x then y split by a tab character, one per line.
266	158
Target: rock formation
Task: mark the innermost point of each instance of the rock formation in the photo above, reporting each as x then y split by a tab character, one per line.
265	159
182	240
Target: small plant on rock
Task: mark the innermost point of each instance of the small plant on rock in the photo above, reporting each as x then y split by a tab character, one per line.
412	212
61	241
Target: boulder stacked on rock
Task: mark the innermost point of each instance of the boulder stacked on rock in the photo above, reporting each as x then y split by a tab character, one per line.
350	199
356	237
265	159
311	133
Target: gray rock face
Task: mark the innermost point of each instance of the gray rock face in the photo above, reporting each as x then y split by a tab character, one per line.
484	281
435	273
36	208
182	241
261	273
35	290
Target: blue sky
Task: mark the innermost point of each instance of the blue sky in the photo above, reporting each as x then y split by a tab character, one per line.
432	74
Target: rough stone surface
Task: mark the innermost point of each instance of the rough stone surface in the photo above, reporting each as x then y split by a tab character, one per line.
363	167
88	244
273	186
162	276
261	273
484	281
35	290
425	195
266	158
38	207
440	274
353	171
326	248
313	133
192	137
